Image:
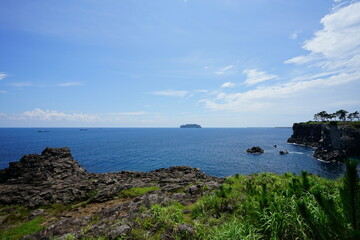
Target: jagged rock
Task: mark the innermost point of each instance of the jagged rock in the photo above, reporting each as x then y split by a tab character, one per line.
36	213
283	152
332	142
186	231
255	150
54	176
119	231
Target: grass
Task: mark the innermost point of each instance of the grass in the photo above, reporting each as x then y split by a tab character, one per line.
23	229
135	192
260	206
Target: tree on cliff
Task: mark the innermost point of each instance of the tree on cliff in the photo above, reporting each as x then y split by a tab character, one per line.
354	115
323	115
342	114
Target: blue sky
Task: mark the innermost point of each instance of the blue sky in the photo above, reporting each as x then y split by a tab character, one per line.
162	63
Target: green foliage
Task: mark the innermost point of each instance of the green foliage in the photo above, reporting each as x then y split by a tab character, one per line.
350	195
168	216
14	213
23	229
341	214
263	206
134	192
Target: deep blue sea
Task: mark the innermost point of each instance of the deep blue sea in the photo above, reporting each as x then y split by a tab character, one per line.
216	151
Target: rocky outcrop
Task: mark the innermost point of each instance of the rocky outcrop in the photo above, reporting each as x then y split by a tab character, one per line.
255	150
332	142
55	177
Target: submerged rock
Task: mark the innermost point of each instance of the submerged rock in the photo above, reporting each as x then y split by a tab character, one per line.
255	150
283	152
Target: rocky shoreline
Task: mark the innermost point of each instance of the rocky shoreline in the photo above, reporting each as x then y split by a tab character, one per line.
54	177
331	142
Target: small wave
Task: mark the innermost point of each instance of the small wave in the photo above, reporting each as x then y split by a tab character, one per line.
297	152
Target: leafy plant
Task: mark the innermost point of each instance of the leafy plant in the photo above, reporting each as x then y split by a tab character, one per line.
134	192
23	229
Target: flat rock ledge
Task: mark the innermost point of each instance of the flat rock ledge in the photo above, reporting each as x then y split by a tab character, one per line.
55	177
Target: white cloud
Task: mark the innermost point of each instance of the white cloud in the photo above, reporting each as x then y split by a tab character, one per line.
261	97
201	91
348	103
224	70
2	91
3	76
337	45
21	84
253	76
334	51
172	93
295	35
70	84
129	113
228	85
49	115
53	117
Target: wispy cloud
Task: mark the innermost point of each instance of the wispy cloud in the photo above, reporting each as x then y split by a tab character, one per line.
295	35
172	93
261	97
337	45
228	85
41	115
51	115
334	51
3	76
224	70
201	91
21	84
70	84
129	113
2	91
254	76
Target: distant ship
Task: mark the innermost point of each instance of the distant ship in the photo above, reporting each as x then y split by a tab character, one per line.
43	130
190	126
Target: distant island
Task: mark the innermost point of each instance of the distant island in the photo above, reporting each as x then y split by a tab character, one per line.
190	126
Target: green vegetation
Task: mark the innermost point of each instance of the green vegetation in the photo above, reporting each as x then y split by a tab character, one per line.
134	192
259	206
23	229
264	206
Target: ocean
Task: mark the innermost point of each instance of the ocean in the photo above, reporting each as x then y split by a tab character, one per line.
216	151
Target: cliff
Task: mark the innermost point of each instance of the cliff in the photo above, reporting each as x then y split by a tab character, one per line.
333	142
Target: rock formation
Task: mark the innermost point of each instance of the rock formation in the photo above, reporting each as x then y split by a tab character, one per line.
55	177
332	142
255	150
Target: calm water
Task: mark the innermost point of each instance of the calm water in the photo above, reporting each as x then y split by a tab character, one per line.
217	151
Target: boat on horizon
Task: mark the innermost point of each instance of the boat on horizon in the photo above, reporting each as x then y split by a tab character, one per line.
43	130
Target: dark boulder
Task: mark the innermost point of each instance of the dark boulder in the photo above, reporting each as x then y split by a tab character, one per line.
255	150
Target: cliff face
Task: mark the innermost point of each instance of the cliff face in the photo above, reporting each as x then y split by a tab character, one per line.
332	143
